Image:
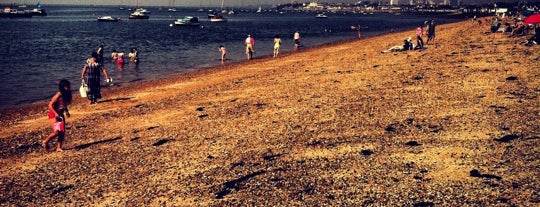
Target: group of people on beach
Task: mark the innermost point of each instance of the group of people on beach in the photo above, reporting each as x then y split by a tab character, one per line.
408	43
512	26
249	44
91	74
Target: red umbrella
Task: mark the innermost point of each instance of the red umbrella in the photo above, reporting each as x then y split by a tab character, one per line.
533	19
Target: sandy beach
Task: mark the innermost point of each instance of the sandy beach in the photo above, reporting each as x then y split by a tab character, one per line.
340	125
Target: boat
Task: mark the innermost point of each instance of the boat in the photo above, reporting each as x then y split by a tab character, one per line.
322	16
108	19
172	3
212	14
14	13
200	7
38	12
187	21
138	15
217	18
143	11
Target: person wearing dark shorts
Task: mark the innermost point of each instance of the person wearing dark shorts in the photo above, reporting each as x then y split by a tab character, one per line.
431	32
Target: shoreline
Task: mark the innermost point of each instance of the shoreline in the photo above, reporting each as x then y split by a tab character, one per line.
338	124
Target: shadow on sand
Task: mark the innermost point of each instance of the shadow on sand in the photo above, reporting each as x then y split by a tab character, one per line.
84	146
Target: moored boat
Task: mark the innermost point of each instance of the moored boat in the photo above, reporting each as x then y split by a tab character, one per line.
38	12
187	21
108	19
217	18
138	15
322	16
14	13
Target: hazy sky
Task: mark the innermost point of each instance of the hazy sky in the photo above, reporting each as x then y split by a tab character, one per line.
181	3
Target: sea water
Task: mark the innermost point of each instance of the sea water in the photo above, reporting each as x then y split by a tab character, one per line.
35	53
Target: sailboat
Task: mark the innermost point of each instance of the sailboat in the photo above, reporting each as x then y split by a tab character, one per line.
200	7
139	13
38	11
171	6
215	17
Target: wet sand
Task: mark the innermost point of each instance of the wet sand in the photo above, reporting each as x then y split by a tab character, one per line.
342	124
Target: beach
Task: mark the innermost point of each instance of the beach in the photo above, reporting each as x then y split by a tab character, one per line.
339	125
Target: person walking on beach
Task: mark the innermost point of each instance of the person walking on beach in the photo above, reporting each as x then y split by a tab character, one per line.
277	43
223	52
250	44
419	40
91	75
58	111
431	32
296	38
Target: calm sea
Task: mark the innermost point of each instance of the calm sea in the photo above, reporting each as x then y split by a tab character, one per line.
35	53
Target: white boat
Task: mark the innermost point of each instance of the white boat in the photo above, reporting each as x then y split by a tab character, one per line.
138	15
143	11
38	12
259	10
187	21
322	16
107	19
171	6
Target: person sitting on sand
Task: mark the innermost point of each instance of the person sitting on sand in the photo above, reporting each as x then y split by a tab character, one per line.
495	27
407	45
535	39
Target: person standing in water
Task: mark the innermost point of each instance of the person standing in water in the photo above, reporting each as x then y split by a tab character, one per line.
277	44
58	111
296	38
223	52
114	55
91	74
100	51
250	44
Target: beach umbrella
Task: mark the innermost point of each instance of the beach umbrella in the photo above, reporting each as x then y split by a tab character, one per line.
533	19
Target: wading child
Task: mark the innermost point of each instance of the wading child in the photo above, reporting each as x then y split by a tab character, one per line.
57	108
223	51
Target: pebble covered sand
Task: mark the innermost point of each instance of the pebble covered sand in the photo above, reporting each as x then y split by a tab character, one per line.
338	125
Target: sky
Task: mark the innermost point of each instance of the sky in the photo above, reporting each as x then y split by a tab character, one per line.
204	3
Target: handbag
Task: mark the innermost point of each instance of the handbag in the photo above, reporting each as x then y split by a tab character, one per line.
83	89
